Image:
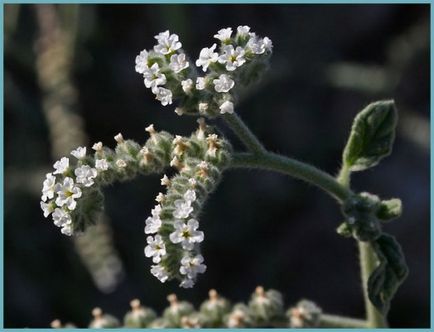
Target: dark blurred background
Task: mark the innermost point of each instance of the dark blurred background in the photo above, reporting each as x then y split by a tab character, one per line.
70	80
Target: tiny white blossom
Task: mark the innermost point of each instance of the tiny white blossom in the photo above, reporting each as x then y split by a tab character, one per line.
227	107
200	83
178	62
191	266
259	46
187	85
48	208
79	153
85	175
232	58
187	283
153	223
243	30
186	234
182	209
97	146
192	182
61	217
142	62
155	248
160	197
163	95
224	34
167	43
165	181
179	111
121	163
153	77
48	187
67	193
203	107
268	44
67	230
207	56
159	272
190	195
224	83
101	164
119	138
61	166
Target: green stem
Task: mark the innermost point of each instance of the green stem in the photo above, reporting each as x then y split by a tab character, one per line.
243	132
274	162
340	321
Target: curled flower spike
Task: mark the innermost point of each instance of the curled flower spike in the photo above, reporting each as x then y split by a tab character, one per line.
239	60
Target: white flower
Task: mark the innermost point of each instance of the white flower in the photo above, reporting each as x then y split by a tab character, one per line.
187	283
48	188
142	62
190	195
186	234
203	107
192	182
179	111
61	217
191	266
224	83
67	230
101	164
178	62
79	153
121	163
47	208
243	30
165	181
67	193
167	43
268	44
200	83
163	95
224	34
187	85
61	166
259	46
119	138
85	175
207	56
159	272
182	209
155	248
153	77
153	223
97	146
233	58
227	107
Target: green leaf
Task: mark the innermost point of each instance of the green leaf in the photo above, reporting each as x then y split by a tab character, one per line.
372	136
389	274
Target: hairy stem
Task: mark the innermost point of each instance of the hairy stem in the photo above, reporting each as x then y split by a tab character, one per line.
243	132
340	321
274	162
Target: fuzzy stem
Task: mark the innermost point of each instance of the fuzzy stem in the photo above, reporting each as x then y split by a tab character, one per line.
243	132
274	162
340	321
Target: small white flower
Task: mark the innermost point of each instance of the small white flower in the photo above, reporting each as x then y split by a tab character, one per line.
97	146
224	83
163	95
153	223
61	166
167	43
190	195
200	83
67	230
67	193
207	56
259	46
79	153
187	85
153	77
165	181
182	209
203	107
142	62
233	58
191	266
155	248
156	211
224	34
85	175
47	208
159	272
268	44
178	62
48	187
121	163
192	182
243	30
179	111
227	107
187	234
119	138
160	198
61	217
187	283
101	164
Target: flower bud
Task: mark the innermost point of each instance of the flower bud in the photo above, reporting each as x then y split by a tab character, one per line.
266	306
176	310
306	314
103	321
139	316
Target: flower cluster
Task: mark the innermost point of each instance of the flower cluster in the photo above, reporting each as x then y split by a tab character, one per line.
239	59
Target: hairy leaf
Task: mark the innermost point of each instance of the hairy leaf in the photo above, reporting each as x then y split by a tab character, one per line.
372	136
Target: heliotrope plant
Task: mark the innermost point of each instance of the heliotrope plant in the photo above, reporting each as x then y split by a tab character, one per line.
209	87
